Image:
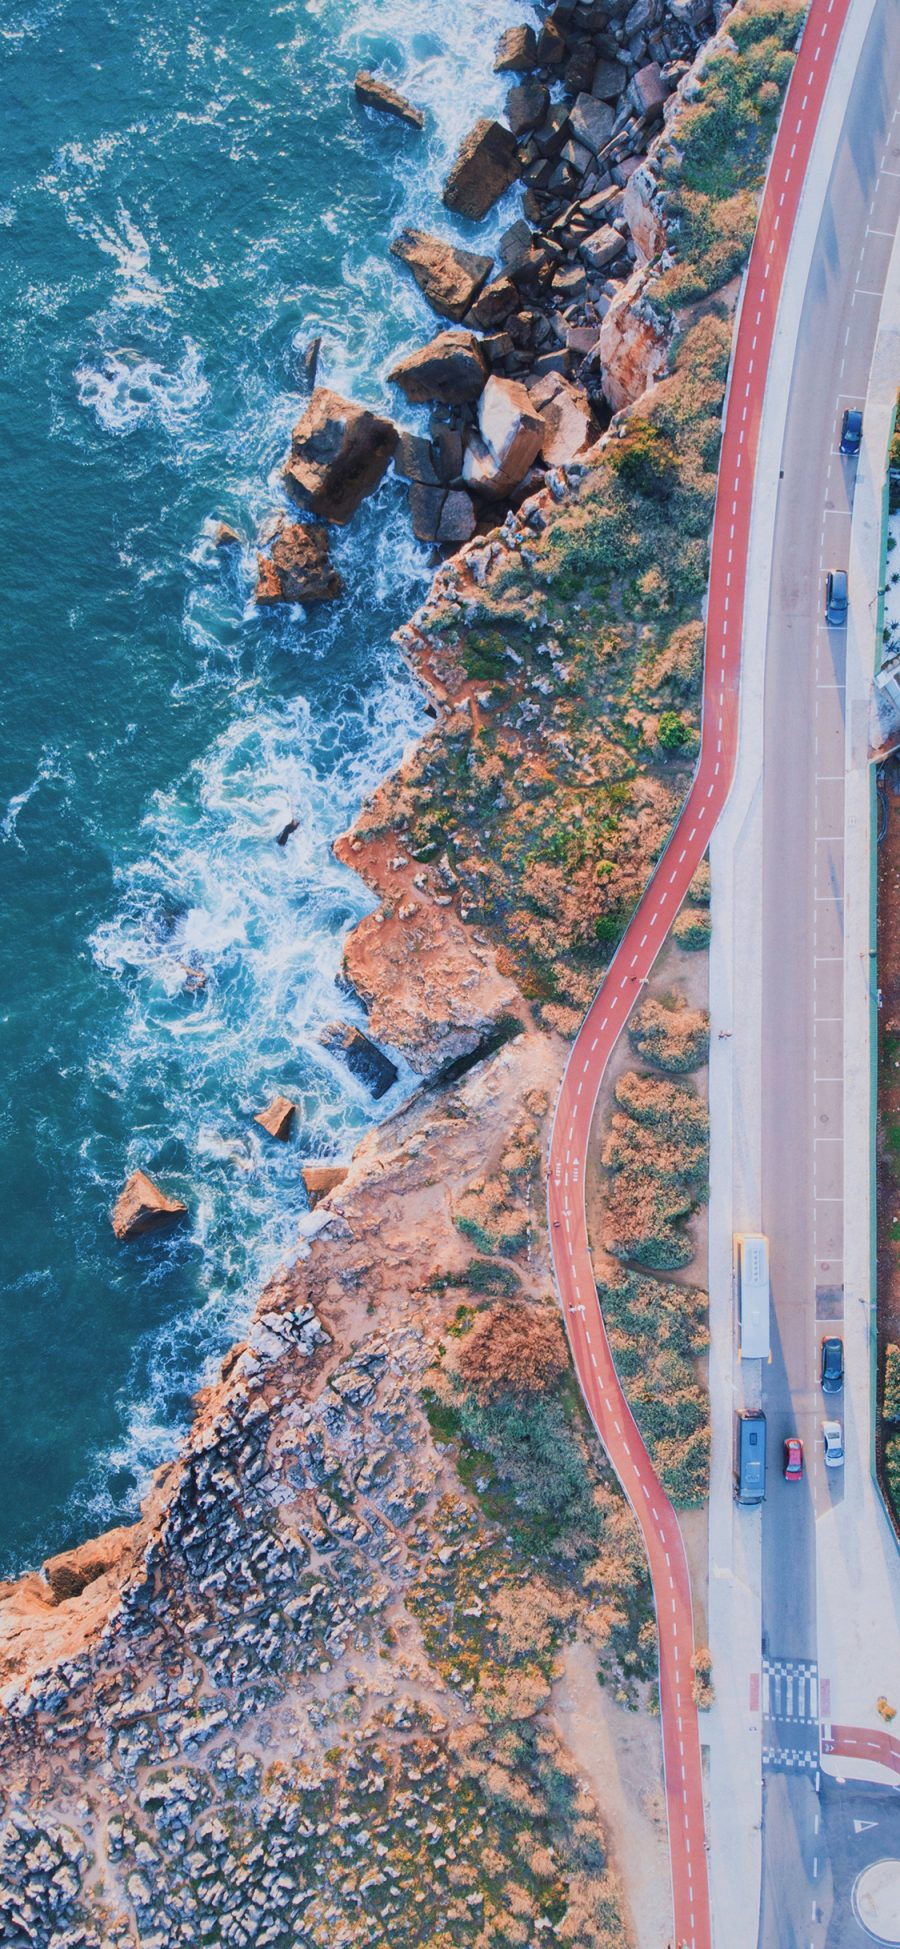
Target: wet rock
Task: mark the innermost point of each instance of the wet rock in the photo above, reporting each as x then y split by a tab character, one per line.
375	93
508	440
299	568
225	537
339	453
566	413
309	364
451	369
363	1058
552	46
591	122
143	1207
487	162
277	1119
449	278
526	106
319	1179
516	51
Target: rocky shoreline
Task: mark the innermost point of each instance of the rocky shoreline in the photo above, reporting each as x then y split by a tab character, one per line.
550	340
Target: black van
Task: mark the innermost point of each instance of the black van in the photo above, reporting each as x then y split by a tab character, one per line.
750	1469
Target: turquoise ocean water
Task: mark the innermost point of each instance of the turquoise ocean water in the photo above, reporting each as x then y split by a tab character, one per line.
186	197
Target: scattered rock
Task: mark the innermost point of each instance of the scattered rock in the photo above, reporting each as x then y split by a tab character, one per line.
566	413
364	1059
609	80
487	162
494	305
516	51
319	1179
426	506
277	1119
339	453
225	537
602	247
649	92
526	106
375	93
299	568
449	278
457	522
510	439
143	1207
451	369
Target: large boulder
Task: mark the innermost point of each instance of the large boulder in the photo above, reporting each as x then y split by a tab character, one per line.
375	93
609	80
649	92
516	51
299	568
526	106
143	1207
452	369
277	1118
363	1058
339	453
510	433
566	413
486	164
449	278
591	122
602	247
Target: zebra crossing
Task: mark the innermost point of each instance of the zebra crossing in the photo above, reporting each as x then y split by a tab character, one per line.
790	1701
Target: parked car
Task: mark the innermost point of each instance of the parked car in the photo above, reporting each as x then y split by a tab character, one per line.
836	597
793	1459
851	430
834	1444
832	1366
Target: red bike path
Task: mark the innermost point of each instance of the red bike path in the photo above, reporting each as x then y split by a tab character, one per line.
637	952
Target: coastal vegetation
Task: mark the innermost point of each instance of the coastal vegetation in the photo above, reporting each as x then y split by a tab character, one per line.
657	1157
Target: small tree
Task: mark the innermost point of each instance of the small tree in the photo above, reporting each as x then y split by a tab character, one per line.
672	732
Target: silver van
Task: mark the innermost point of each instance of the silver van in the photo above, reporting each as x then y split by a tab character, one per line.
750	1460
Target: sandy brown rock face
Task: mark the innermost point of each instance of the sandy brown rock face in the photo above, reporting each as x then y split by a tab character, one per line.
634	345
339	453
451	370
449	278
373	92
143	1207
487	162
644	215
278	1117
299	568
109	1555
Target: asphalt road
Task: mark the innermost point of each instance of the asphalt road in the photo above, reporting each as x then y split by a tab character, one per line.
805	1882
635	956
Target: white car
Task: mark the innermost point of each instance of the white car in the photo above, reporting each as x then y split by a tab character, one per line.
834	1444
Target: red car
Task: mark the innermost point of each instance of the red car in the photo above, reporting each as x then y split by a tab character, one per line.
793	1459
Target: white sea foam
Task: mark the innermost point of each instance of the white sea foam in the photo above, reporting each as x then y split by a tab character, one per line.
48	768
124	390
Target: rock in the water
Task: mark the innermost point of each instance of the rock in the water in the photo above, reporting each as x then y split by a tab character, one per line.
415	460
526	106
510	431
364	1059
591	122
451	369
375	93
516	51
339	453
487	162
225	537
143	1207
277	1119
309	363
299	568
319	1179
566	413
449	278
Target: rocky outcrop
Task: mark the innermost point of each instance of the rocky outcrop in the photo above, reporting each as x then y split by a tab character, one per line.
143	1207
363	1058
373	92
451	370
511	433
643	214
277	1119
299	568
70	1572
320	1179
486	164
449	278
339	453
633	345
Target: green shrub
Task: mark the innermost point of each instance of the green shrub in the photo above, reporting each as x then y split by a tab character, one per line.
890	1406
656	1333
892	1472
672	731
692	929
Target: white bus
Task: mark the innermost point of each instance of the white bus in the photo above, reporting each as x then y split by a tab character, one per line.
753	1293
